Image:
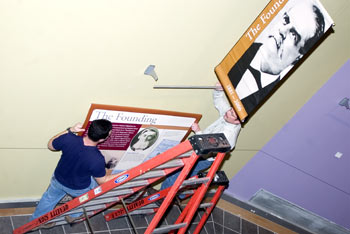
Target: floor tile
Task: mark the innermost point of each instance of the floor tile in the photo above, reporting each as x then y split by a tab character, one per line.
248	227
75	228
229	231
139	221
218	216
119	223
173	214
5	225
20	220
232	222
54	230
218	228
98	223
124	231
208	228
219	221
264	231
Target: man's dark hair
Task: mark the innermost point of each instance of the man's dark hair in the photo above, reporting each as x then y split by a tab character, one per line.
99	129
320	25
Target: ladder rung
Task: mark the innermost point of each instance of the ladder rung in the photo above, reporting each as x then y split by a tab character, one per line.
109	197
168	228
103	200
171	164
116	192
185	155
205	205
151	174
152	205
133	184
142	211
62	220
137	212
87	208
60	223
196	181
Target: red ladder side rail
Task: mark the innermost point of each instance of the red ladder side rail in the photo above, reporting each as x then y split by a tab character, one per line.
184	212
120	179
208	211
191	203
200	192
205	216
172	192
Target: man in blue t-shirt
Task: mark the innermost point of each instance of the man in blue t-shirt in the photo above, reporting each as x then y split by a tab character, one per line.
81	163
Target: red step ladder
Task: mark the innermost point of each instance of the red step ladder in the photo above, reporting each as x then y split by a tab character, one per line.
184	156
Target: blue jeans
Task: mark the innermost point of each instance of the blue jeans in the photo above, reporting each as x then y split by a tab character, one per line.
55	192
200	165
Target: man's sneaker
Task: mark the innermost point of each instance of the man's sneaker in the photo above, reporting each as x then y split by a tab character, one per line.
65	199
137	195
151	191
45	226
71	219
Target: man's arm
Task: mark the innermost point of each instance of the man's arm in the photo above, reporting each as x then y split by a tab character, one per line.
104	179
220	100
231	133
196	129
76	128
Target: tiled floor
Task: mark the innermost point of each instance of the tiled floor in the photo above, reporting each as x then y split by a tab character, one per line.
219	222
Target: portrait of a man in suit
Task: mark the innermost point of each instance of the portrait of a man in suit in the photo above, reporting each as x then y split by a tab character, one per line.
144	139
283	42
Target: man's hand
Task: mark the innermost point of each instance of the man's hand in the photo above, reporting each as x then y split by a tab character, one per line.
231	117
218	86
195	127
78	127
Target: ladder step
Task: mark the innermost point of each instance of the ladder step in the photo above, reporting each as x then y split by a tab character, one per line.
185	155
112	196
165	229
116	192
87	208
171	164
196	181
149	206
220	178
142	211
102	200
61	220
152	174
205	205
133	184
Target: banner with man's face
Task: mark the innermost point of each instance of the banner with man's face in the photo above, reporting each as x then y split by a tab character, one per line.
279	37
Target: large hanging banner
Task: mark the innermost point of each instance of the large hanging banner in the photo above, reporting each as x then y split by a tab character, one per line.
278	38
139	134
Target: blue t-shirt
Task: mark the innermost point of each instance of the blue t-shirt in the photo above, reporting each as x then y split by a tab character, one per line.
78	162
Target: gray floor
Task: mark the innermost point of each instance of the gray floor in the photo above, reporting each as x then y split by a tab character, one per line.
219	222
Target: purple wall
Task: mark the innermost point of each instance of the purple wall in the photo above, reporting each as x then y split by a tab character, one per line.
299	163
